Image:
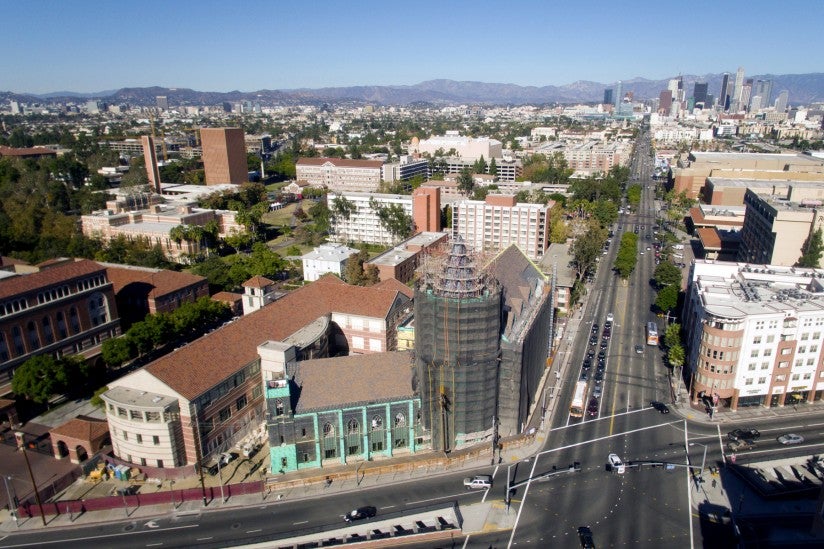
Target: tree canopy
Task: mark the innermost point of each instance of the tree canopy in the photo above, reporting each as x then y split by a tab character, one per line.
667	298
812	250
666	274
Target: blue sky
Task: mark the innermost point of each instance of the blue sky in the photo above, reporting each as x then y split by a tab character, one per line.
208	45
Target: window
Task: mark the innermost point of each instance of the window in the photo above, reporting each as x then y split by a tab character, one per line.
813	348
770	338
765	365
748	381
768	352
784	351
279	407
305	457
135	415
762	380
122	412
802	350
754	353
240	403
153	417
328	430
160	463
756	340
352	427
751	367
156	440
47	330
377	423
143	462
139	439
283	463
257	391
125	435
808	376
796	377
225	414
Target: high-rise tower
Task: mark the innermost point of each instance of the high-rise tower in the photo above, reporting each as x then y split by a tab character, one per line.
724	94
224	156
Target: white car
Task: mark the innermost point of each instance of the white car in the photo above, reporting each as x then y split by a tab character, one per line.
616	464
790	439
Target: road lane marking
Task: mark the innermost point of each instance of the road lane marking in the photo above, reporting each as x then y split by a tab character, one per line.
388	507
254	531
154	544
115	535
204	539
459	494
301	522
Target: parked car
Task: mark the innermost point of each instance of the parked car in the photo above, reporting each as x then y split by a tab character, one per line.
360	513
790	439
743	434
226	458
660	406
478	482
639	349
249	450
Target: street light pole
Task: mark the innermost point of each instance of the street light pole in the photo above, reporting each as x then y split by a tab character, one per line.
703	459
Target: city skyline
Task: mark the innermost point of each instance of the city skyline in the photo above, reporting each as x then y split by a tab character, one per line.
76	46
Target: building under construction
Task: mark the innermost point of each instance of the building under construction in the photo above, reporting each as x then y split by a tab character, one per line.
481	340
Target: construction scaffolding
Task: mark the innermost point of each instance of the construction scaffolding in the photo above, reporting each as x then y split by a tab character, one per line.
457	347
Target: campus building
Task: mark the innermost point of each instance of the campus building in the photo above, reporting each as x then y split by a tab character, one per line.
361	222
754	334
224	156
340	175
62	308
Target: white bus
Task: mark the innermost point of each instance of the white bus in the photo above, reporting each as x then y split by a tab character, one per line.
576	409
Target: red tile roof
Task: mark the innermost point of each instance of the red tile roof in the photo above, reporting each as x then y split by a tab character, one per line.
709	238
331	382
397	285
82	428
19	285
204	363
163	282
340	162
257	282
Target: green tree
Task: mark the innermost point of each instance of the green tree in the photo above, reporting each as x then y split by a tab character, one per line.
667	298
606	212
634	195
676	355
493	167
666	274
96	400
353	272
672	335
587	247
465	182
39	377
626	258
811	250
118	350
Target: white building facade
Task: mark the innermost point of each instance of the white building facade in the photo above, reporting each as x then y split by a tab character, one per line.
326	258
754	334
495	223
362	223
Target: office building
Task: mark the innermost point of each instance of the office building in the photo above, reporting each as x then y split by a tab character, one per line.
754	334
781	101
736	92
762	90
724	93
64	308
162	102
405	169
340	175
699	94
746	93
498	221
224	156
608	96
665	102
775	230
619	96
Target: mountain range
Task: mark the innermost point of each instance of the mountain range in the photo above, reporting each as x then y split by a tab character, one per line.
803	89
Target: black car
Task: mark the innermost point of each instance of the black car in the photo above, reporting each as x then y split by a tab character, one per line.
592	409
660	406
585	537
590	353
602	354
593	340
584	375
599	375
743	434
595	328
587	363
604	343
360	513
607	333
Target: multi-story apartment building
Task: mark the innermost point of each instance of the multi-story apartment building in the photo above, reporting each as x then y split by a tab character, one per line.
495	223
340	174
363	223
775	230
154	225
508	169
63	308
754	334
595	156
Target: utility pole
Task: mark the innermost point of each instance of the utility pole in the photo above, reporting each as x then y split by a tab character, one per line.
199	454
31	476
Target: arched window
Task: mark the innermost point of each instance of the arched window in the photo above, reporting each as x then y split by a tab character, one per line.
400	419
279	407
61	326
328	430
47	330
352	427
377	423
74	320
34	339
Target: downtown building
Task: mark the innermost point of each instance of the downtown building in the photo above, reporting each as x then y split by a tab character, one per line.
754	334
498	221
224	156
